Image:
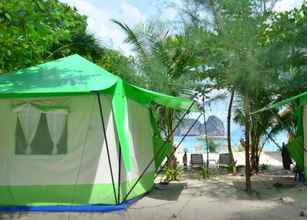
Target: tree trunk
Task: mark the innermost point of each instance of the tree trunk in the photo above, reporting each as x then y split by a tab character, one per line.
257	163
254	142
247	143
172	161
231	158
254	153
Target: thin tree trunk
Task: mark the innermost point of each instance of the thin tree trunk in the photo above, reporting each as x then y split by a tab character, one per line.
247	143
231	158
257	160
253	144
257	157
254	154
172	161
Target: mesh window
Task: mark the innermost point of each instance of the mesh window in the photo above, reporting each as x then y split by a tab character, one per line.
20	144
42	143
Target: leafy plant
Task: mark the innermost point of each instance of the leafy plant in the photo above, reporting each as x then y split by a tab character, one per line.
172	174
238	148
212	146
166	63
30	30
34	32
232	168
204	173
264	167
239	63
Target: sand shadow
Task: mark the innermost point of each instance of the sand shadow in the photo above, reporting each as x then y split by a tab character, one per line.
170	192
9	216
268	185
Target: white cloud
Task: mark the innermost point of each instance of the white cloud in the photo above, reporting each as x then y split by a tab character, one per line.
99	22
287	5
131	15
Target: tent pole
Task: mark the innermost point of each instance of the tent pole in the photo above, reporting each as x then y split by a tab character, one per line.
269	136
273	140
119	172
107	144
160	150
180	142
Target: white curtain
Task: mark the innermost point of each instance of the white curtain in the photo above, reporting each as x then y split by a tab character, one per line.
56	124
29	117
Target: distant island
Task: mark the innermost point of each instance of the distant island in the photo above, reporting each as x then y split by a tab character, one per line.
215	127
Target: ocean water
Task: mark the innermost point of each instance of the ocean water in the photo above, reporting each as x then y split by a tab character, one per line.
195	144
219	108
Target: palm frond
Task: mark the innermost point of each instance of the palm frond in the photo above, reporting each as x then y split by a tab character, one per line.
132	38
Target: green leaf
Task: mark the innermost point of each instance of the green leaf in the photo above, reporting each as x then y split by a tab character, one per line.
7	15
40	5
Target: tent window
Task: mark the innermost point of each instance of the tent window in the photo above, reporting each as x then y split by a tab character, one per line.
50	137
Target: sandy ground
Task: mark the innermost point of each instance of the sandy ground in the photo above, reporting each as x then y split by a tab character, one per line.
276	196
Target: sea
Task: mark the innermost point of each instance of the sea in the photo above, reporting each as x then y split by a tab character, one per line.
219	108
192	144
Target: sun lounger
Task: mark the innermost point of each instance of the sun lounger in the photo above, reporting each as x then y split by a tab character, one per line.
223	160
197	161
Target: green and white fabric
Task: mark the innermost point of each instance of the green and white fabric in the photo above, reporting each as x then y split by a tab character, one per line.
52	148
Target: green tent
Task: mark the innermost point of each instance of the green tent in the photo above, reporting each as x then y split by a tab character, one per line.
74	134
298	145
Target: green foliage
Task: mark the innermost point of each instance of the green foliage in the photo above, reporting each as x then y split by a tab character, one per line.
232	168
239	148
172	174
29	29
82	43
264	167
165	63
37	31
239	62
212	146
204	173
120	65
284	34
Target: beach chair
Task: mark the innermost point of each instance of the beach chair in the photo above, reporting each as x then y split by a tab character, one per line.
223	161
197	161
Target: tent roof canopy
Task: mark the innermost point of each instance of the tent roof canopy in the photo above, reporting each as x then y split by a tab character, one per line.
300	97
75	75
72	74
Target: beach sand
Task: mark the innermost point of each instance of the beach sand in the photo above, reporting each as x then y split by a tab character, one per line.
275	196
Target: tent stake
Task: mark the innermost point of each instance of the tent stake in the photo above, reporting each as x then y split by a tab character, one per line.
107	145
158	153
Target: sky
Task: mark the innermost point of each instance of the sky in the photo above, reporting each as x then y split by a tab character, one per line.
100	13
134	12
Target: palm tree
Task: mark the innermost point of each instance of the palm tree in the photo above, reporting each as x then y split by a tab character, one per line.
166	63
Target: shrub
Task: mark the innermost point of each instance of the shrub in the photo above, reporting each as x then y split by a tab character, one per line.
264	167
212	146
232	168
204	173
172	174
